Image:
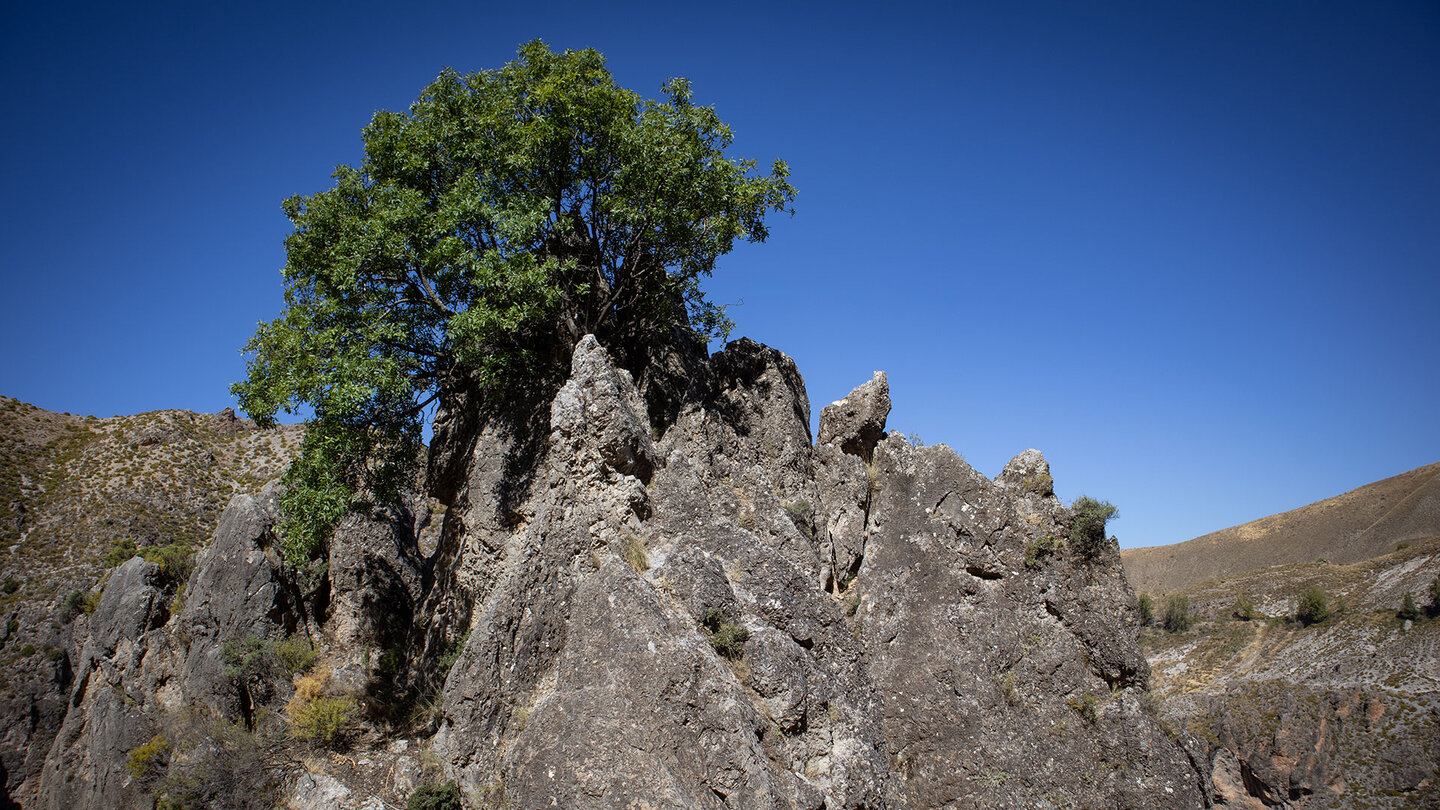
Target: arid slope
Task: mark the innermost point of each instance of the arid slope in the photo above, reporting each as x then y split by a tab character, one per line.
1348	528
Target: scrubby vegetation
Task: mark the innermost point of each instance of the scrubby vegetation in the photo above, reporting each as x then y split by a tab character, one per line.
1146	605
726	637
1312	607
1087	533
1178	617
435	797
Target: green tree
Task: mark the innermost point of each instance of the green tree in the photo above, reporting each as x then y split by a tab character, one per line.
1178	618
1313	607
504	216
1434	609
1146	603
1408	610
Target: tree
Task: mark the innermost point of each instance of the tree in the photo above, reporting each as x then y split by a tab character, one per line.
1408	610
1146	605
506	215
1177	614
1313	607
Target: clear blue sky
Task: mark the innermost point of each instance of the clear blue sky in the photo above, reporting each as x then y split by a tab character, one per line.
1188	250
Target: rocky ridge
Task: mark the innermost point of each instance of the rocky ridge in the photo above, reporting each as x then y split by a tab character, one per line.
75	490
670	598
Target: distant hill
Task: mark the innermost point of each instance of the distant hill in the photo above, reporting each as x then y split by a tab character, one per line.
1358	525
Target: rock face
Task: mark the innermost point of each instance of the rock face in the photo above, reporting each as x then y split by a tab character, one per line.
698	609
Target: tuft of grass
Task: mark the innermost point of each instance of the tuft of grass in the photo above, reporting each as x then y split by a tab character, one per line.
632	550
726	637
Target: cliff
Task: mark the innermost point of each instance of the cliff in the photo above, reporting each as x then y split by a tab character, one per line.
667	595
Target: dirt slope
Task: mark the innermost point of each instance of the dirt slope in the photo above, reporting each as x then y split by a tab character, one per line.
1348	528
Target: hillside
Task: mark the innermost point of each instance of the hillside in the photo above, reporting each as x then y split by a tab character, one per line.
1343	713
1360	524
80	494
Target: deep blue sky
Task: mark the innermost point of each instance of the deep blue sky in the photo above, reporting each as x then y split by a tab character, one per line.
1188	250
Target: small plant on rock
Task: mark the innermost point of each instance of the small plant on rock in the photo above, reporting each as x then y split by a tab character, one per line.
1243	609
726	637
1087	533
435	797
1037	550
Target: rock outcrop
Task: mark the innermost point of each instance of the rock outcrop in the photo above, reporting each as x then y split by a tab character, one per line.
671	598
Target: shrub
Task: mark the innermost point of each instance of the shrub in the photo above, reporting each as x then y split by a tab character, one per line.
1177	614
1087	706
1243	609
149	758
727	638
1146	604
223	766
1313	607
1408	611
319	717
11	585
72	606
1039	484
1035	550
1087	532
1435	596
435	797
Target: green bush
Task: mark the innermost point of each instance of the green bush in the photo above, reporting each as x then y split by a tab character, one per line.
1243	609
72	606
1037	550
326	722
1146	604
11	585
726	637
1087	706
1039	484
435	797
1177	614
1087	532
149	758
1435	596
1313	607
1408	611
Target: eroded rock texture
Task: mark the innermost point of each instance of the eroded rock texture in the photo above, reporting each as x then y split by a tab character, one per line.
673	598
901	650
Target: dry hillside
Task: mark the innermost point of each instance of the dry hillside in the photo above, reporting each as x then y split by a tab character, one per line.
1340	713
1348	528
78	495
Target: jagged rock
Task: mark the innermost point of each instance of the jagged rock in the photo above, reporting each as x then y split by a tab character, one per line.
236	592
857	422
375	583
991	696
673	599
1029	472
86	766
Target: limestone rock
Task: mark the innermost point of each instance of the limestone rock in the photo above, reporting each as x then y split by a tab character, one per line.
857	422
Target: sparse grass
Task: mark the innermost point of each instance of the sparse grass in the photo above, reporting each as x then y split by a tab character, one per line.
1036	551
632	550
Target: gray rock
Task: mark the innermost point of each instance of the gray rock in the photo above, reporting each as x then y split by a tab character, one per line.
857	422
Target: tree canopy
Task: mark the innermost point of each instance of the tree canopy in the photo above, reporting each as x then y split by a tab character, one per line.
506	215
